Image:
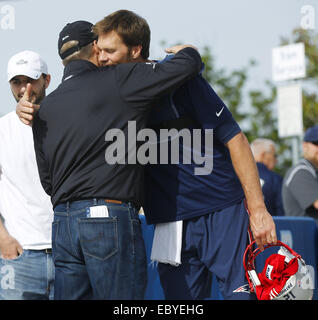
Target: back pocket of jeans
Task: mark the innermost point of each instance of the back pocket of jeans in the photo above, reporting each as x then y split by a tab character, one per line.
98	237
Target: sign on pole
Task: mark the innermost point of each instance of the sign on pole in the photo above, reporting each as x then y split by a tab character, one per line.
290	114
288	62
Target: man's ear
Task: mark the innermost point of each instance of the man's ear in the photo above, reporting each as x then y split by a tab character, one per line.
95	47
136	52
262	157
47	80
95	50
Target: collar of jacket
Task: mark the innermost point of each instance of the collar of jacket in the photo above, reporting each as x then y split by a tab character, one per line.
77	67
309	164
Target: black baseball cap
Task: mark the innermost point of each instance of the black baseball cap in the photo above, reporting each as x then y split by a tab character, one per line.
80	31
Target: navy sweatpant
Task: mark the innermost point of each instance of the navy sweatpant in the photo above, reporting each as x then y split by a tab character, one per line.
212	243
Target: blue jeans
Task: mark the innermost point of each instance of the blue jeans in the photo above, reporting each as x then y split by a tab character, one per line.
28	277
98	258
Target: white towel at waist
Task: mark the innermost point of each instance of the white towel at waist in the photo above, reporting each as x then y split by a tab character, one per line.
167	243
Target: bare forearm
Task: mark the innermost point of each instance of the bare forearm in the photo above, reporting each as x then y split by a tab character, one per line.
261	222
246	170
3	232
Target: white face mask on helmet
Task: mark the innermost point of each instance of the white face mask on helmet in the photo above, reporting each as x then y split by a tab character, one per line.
285	275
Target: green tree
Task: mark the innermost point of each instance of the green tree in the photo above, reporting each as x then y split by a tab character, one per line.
229	85
264	123
261	119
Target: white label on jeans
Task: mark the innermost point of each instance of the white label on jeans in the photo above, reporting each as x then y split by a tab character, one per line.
98	212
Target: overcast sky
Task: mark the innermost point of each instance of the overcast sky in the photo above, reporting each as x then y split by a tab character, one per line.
235	30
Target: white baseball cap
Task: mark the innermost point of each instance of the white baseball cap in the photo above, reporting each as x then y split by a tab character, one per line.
27	63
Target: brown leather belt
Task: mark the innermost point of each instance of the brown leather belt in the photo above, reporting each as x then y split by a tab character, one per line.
113	201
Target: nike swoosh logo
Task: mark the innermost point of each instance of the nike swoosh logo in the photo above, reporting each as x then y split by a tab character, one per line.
219	113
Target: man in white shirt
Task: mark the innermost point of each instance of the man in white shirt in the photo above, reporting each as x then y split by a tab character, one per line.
26	267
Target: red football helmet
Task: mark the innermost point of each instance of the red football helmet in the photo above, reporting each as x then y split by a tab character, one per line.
285	275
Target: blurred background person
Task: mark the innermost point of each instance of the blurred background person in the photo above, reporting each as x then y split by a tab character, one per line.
264	151
300	186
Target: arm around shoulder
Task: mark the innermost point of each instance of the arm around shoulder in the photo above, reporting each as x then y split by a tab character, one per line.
142	83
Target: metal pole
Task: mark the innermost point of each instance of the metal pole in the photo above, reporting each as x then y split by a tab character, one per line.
295	150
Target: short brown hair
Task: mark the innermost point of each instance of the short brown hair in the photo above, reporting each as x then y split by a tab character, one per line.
133	29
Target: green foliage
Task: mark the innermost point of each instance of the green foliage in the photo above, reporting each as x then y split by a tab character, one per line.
228	85
260	120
